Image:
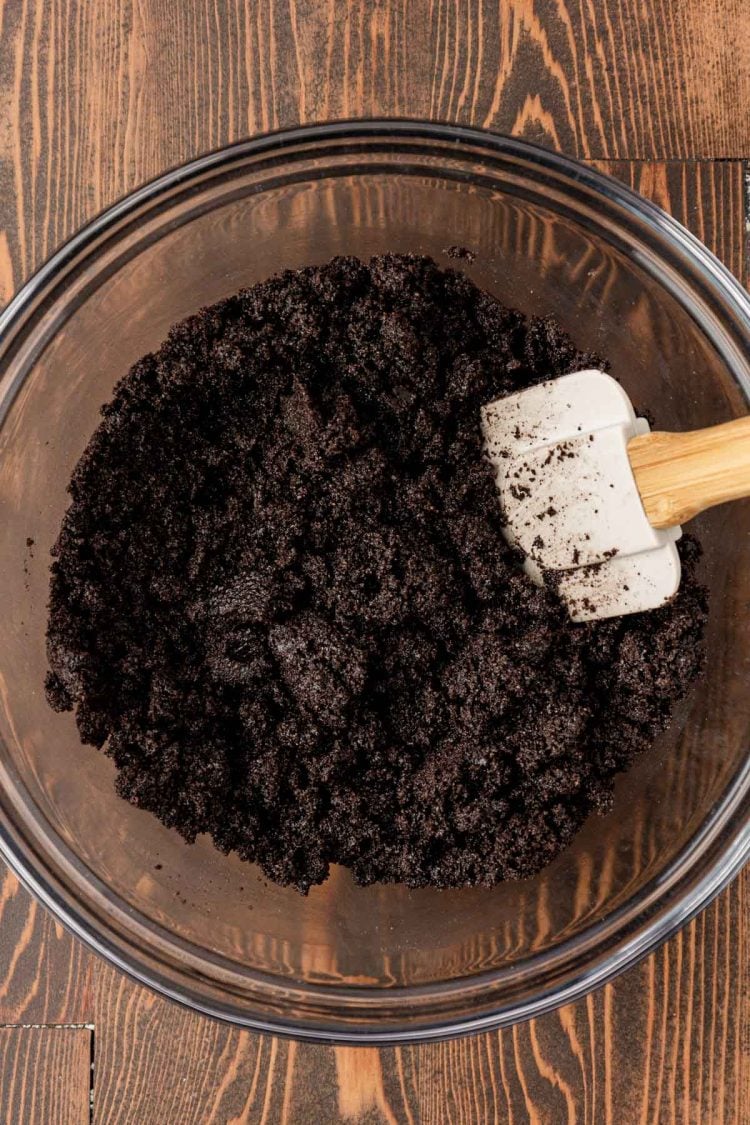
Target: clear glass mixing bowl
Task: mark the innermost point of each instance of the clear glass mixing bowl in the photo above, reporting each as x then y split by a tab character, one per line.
381	964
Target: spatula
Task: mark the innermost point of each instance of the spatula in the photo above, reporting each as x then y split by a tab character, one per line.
591	495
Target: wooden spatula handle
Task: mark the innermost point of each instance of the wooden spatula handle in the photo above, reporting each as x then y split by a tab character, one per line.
679	475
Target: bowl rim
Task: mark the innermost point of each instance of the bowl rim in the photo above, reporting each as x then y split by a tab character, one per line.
726	829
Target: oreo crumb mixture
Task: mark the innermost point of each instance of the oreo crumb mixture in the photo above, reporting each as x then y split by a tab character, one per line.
461	253
282	603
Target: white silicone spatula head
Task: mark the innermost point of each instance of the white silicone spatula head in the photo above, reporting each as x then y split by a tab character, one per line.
570	499
592	496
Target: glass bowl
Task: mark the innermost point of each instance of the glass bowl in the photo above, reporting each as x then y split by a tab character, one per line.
381	964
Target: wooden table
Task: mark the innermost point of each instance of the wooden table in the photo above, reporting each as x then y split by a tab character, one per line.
99	95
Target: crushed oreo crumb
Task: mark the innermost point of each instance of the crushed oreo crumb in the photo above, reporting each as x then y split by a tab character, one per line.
461	253
282	602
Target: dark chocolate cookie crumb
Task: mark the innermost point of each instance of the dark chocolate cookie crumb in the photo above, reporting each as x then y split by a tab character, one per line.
282	602
461	253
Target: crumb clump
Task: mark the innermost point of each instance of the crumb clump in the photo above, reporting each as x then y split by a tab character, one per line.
282	603
461	254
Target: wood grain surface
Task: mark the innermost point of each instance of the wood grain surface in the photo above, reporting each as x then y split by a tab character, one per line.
95	98
45	1075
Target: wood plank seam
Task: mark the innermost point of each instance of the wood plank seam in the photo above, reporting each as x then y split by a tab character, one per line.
47	1027
92	1070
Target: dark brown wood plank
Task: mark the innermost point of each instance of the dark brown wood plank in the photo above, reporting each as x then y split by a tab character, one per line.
662	1043
45	1075
45	974
707	197
156	1063
99	97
